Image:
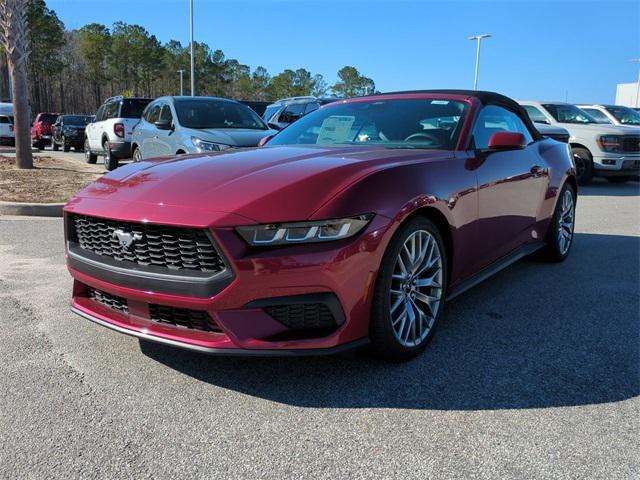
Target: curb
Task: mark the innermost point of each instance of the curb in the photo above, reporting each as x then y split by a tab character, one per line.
31	209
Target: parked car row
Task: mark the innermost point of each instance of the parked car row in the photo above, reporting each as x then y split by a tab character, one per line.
605	145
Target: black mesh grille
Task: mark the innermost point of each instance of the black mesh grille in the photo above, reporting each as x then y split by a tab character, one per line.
304	316
108	300
631	144
175	248
183	317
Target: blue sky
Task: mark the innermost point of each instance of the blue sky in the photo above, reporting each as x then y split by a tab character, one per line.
550	50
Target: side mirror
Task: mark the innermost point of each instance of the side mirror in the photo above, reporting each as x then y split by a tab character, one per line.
264	140
274	126
163	124
507	141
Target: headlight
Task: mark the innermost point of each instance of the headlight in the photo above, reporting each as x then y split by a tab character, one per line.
68	131
303	232
204	146
610	143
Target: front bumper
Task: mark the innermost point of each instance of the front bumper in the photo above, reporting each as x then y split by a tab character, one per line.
611	164
343	269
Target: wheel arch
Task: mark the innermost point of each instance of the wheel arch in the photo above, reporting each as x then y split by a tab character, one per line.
442	224
580	145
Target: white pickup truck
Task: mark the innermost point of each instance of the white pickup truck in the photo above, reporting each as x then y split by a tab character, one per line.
608	151
109	135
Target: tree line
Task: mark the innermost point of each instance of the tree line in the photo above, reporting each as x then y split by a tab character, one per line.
75	70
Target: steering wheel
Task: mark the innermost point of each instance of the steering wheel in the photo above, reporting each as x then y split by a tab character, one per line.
429	136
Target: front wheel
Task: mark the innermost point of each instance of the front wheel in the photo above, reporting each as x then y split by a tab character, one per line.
137	155
65	146
560	234
584	165
55	146
89	157
409	292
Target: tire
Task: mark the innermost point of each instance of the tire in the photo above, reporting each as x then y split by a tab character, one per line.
390	332
619	179
584	165
89	157
41	145
555	250
55	146
110	163
65	147
137	155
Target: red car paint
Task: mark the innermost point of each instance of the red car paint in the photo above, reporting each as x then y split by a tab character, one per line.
491	203
42	127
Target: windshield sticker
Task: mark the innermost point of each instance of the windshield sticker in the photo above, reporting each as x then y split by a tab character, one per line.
439	102
335	129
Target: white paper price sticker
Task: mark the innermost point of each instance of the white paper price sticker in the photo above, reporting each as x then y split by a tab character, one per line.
335	129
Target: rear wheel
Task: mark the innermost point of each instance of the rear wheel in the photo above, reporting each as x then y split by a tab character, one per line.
560	233
409	292
41	144
110	163
89	157
584	165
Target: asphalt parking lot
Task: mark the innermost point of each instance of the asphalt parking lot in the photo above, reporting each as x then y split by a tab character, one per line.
533	374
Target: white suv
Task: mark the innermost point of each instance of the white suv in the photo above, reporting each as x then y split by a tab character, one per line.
608	151
613	114
109	135
7	135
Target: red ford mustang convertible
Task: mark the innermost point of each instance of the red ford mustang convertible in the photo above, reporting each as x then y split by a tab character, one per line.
352	226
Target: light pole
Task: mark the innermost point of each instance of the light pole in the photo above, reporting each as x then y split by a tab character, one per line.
478	38
637	60
181	72
193	78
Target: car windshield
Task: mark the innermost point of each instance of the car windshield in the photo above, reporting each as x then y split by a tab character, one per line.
80	120
270	112
625	115
133	107
210	113
568	114
393	123
48	118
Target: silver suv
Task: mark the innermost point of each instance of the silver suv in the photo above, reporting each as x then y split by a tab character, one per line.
287	110
109	135
608	151
177	125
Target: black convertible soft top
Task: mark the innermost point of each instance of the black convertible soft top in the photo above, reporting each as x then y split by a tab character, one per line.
486	98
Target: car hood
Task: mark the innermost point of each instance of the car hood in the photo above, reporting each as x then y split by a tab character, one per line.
598	129
270	184
236	137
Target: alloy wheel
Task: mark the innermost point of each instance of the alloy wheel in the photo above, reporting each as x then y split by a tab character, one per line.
565	222
416	288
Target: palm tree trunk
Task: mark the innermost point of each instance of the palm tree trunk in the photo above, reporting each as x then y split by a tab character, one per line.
13	36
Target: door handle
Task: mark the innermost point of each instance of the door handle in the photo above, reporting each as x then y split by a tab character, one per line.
536	170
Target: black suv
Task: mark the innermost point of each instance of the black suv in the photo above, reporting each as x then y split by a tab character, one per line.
287	110
68	131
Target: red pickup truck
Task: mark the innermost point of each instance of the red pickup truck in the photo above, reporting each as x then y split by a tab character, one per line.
42	129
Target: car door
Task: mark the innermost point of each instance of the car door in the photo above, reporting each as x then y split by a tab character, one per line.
164	138
510	184
148	131
92	129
